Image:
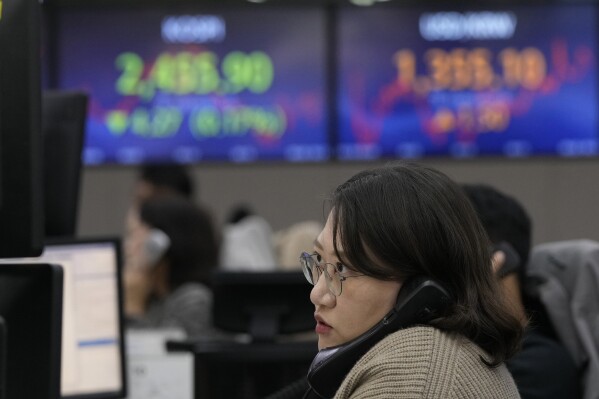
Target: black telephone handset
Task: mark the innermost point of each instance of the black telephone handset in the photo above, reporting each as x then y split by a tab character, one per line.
512	260
420	300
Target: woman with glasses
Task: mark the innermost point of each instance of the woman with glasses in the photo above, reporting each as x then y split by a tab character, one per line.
386	227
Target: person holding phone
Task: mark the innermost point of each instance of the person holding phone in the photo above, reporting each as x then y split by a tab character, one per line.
171	249
388	228
543	368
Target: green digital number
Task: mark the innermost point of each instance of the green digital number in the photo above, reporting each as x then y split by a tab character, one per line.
254	72
204	65
163	72
166	122
205	123
140	122
185	74
132	66
237	71
262	72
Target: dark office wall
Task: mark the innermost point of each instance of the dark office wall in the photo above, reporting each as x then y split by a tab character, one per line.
561	195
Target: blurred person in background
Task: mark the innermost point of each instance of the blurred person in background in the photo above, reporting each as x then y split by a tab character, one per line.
247	242
542	369
163	179
171	249
293	240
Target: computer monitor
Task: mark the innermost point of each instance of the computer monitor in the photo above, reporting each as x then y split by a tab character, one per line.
31	306
21	217
2	358
197	82
467	79
93	357
63	130
262	304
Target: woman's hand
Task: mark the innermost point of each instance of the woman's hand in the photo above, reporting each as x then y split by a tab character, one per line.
137	269
138	288
510	286
497	261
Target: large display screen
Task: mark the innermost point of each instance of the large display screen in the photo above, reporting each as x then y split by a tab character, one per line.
514	81
187	85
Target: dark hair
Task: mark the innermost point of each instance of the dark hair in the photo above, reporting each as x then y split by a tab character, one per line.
505	219
172	176
193	252
404	220
502	216
239	212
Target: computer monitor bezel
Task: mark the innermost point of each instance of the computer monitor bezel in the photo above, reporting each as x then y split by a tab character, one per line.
21	204
51	361
116	242
2	358
64	115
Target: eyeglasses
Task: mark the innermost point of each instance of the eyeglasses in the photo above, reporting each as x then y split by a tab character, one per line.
313	267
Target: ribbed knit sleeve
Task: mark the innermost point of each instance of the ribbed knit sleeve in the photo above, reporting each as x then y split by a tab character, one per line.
423	362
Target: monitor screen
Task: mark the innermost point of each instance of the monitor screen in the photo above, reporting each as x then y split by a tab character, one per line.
31	307
197	83
511	81
92	340
92	323
21	212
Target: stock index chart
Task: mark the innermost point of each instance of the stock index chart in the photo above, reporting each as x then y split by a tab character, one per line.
517	81
188	85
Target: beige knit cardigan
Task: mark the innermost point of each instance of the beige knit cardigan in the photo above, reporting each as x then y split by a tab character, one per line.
423	362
